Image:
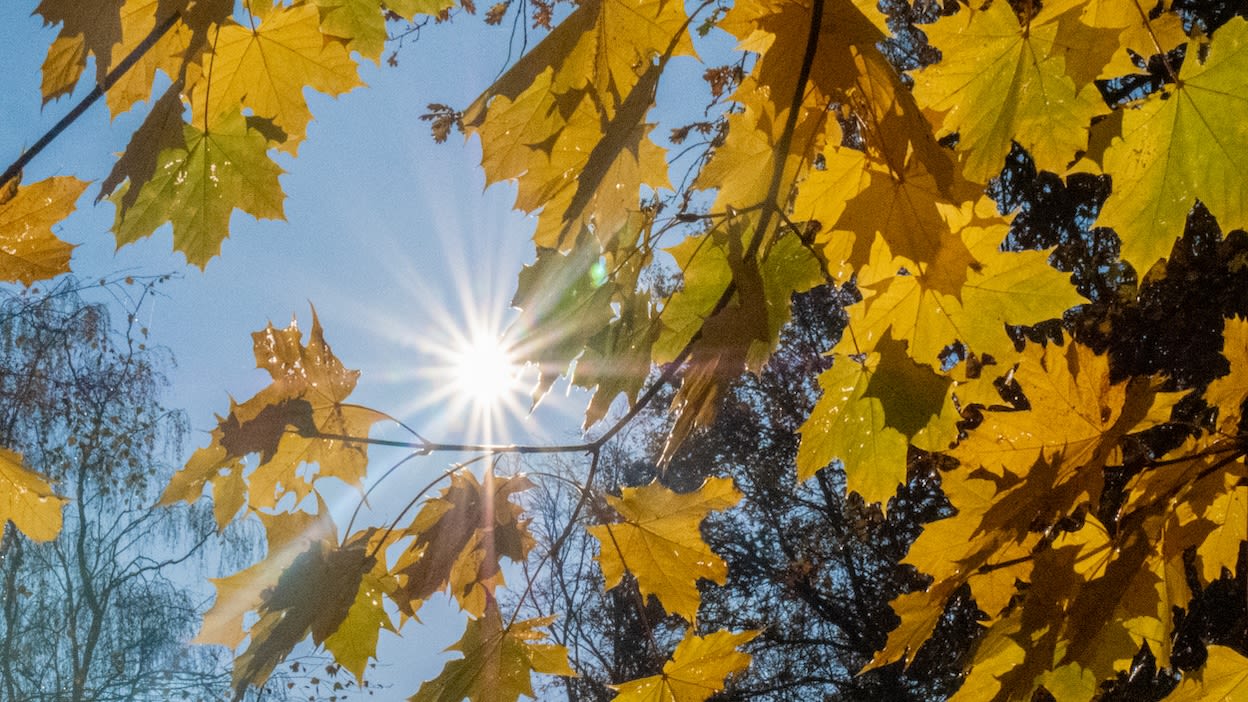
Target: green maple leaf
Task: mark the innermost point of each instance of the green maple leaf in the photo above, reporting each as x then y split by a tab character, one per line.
1186	142
1000	82
197	186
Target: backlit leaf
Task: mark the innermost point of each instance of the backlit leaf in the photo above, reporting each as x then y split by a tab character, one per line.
659	542
1013	87
1224	678
354	640
198	184
460	538
29	251
498	662
27	500
1179	144
698	669
265	71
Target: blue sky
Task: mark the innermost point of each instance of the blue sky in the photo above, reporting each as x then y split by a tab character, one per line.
392	237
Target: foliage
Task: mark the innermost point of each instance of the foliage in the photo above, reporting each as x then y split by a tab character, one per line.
810	567
823	162
95	611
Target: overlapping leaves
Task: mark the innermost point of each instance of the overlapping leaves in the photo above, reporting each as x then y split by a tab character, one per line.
827	167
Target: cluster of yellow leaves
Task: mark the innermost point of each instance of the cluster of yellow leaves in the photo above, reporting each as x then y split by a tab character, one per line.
828	167
799	199
265	461
237	93
311	583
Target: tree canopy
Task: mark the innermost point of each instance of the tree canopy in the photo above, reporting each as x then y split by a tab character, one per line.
1091	457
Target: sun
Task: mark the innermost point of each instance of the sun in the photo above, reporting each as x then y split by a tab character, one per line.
483	372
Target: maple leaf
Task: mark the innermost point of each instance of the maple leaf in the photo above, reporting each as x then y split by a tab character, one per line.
498	661
29	251
1220	551
86	28
849	425
266	69
460	538
313	595
197	186
1101	38
27	500
1000	288
309	389
1012	88
697	670
659	542
67	58
307	395
1224	676
360	22
957	551
597	47
354	640
563	304
287	535
737	336
1073	383
1228	393
575	105
1179	144
170	54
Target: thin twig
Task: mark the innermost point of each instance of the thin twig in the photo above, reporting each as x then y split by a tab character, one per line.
96	93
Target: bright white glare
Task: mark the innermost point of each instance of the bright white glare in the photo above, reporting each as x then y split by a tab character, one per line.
483	372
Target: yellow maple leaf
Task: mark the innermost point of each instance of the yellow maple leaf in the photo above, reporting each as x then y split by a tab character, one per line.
266	69
29	251
1228	392
1001	82
1179	144
1223	677
602	47
67	57
698	669
659	542
27	500
301	418
315	594
935	304
354	641
359	22
1073	383
848	425
460	538
572	112
86	28
287	534
1229	517
168	54
498	661
1100	37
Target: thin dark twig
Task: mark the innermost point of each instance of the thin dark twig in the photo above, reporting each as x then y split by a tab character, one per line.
96	93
